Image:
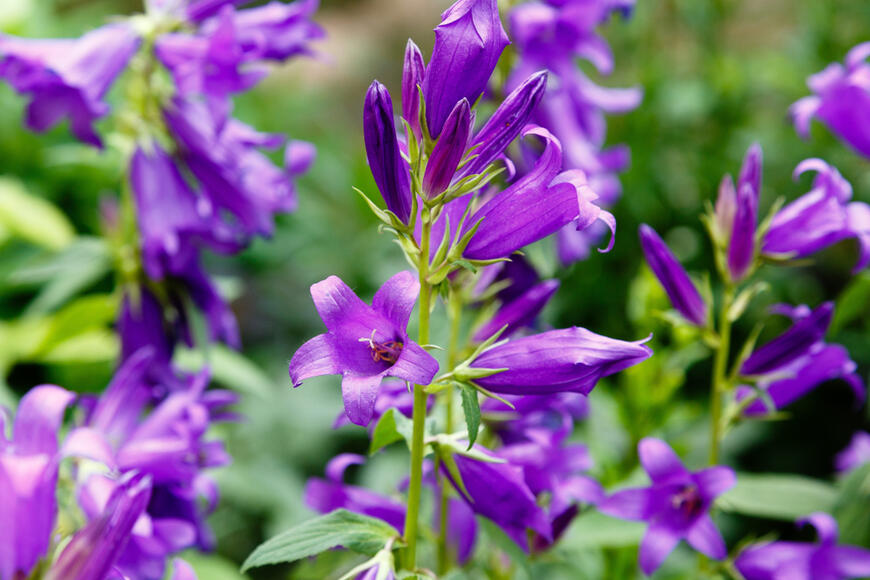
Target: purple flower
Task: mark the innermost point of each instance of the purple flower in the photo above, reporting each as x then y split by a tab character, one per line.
28	478
535	206
448	151
393	394
795	342
804	561
468	43
857	453
569	359
841	100
820	218
741	247
518	313
67	78
326	495
679	287
382	150
93	551
554	415
499	492
676	505
413	73
364	343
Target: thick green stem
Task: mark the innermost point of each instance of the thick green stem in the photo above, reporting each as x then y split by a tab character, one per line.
419	414
720	380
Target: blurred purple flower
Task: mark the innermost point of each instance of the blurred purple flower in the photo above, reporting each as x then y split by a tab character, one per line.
820	218
676	505
806	332
841	100
857	453
364	343
804	561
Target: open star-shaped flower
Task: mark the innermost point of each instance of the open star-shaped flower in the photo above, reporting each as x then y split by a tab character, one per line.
364	344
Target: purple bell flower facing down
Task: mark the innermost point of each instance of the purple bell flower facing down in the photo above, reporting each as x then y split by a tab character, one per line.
791	344
382	150
326	495
413	73
856	454
676	505
448	150
28	478
535	206
682	292
805	561
820	218
499	492
569	359
468	43
67	78
841	100
364	343
741	246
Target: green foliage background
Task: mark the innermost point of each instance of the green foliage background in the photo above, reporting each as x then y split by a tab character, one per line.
717	75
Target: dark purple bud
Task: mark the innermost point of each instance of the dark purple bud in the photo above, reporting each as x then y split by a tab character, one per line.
382	150
468	43
506	123
791	344
679	287
750	170
741	249
413	73
448	150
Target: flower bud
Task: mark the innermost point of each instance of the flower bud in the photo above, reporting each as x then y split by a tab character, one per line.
741	249
413	72
448	150
382	151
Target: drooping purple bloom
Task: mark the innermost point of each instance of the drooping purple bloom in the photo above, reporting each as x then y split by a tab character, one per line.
499	492
841	100
448	151
68	78
741	246
326	495
555	415
805	561
363	343
413	73
820	218
28	478
535	206
855	454
518	313
382	150
569	359
679	287
791	344
468	43
676	505
94	550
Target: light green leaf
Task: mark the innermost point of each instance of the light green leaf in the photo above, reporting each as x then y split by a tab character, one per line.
852	303
89	313
228	367
98	345
32	218
471	410
593	529
782	497
339	528
503	541
391	427
853	506
212	566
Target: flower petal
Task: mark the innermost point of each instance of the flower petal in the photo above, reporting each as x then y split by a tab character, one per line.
314	358
705	537
628	504
396	298
414	365
335	301
359	394
659	460
38	418
658	542
714	481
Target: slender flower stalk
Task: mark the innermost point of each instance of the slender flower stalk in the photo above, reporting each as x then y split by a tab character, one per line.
719	384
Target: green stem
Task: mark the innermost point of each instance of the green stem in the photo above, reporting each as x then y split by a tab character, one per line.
720	381
454	312
419	413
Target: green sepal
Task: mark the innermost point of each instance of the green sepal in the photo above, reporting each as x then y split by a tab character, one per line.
471	410
738	307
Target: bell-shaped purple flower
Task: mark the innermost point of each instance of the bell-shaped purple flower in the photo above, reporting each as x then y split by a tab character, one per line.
468	43
682	292
448	151
741	246
506	123
535	206
569	359
326	495
382	150
68	78
795	342
28	478
413	73
856	454
676	505
841	100
499	492
820	218
364	343
519	313
805	561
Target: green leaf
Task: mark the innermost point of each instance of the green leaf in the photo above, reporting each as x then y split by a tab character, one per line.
229	368
212	566
32	218
471	410
782	497
391	427
593	529
853	506
506	544
98	345
339	528
852	303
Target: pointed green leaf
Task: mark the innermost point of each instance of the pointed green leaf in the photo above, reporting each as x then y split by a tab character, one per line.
471	409
782	497
391	427
32	218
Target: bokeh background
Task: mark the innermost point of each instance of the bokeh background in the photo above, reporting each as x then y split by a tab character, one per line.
717	75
